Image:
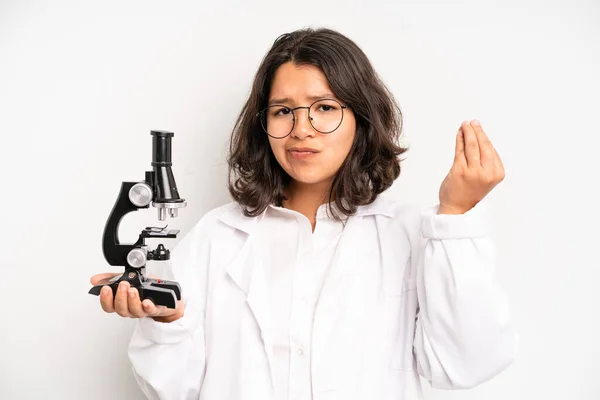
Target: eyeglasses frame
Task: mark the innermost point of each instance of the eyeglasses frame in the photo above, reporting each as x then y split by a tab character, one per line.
258	114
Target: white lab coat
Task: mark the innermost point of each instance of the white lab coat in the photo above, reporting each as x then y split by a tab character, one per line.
409	293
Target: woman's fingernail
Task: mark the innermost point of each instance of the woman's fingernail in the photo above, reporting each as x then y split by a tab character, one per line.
475	122
131	293
105	290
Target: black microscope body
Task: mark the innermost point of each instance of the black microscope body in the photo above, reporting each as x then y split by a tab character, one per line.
160	190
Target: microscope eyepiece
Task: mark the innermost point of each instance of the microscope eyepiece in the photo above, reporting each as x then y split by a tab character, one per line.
166	196
161	148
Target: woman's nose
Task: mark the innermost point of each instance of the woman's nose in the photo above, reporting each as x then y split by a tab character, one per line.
302	126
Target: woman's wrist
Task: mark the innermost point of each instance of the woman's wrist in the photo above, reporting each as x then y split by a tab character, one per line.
169	318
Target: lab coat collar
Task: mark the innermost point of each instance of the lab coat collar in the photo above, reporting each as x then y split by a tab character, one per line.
235	217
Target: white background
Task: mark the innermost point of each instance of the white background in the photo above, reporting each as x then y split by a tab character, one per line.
83	83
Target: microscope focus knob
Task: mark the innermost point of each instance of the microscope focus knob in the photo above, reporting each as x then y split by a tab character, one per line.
140	194
137	258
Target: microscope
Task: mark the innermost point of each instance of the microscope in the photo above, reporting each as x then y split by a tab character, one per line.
158	189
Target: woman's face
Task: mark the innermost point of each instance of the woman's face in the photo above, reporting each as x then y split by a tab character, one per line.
294	86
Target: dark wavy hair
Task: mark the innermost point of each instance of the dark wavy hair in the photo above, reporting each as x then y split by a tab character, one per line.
255	177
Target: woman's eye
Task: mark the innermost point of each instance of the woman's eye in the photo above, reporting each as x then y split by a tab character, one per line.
281	111
325	107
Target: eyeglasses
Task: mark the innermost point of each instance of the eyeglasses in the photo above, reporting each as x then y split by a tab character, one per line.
325	116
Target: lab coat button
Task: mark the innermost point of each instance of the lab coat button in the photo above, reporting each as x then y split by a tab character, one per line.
300	352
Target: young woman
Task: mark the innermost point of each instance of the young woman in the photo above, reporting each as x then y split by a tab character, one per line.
311	286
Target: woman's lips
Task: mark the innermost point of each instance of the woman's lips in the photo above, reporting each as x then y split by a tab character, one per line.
301	155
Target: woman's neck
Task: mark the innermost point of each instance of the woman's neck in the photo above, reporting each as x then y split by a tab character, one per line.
306	199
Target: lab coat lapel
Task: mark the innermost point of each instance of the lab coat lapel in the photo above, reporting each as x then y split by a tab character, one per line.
247	272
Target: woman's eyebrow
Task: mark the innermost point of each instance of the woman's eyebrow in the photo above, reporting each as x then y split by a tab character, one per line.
282	100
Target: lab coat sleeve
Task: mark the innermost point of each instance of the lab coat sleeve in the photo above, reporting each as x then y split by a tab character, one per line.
463	334
168	359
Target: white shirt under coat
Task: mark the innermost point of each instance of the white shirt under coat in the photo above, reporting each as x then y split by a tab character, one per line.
354	311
